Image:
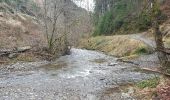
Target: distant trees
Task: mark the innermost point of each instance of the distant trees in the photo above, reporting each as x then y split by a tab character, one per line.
120	16
103	6
110	17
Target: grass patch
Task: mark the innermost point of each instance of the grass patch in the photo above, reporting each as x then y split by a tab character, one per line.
141	50
118	45
150	83
131	57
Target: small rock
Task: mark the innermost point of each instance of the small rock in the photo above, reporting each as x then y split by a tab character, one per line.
102	79
90	71
112	64
131	90
13	55
126	96
1	14
10	67
21	49
119	59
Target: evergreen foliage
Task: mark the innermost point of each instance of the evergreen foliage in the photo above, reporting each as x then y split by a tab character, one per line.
113	19
124	17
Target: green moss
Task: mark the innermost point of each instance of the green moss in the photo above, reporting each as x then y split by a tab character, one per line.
150	83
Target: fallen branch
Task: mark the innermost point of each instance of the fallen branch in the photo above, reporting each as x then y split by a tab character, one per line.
127	61
5	52
2	62
156	71
44	54
167	50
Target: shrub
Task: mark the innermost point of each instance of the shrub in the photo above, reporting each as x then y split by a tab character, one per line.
151	83
141	50
144	21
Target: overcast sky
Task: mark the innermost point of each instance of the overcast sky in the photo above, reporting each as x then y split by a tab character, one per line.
87	4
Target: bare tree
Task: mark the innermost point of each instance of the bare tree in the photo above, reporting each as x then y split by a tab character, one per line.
52	11
162	55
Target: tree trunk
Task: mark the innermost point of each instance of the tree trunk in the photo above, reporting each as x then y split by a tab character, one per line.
66	43
162	56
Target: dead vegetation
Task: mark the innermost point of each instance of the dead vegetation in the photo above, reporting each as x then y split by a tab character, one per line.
120	45
156	88
158	92
19	30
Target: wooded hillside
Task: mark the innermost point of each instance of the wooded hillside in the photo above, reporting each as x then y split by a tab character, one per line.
122	16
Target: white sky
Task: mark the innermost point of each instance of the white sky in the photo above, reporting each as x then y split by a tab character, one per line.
87	4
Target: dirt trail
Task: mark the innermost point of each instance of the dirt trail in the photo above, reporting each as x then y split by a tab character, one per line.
144	39
83	75
147	61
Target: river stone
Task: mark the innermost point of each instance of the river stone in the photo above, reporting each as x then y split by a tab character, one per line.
112	64
12	55
21	49
30	80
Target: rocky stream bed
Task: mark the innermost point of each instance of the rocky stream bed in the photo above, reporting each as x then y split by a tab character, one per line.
83	75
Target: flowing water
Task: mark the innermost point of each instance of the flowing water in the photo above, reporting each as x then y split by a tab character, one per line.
83	75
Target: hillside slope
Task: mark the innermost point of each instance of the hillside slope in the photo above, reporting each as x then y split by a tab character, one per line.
77	19
18	29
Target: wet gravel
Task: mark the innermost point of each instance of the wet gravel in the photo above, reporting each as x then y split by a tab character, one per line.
83	75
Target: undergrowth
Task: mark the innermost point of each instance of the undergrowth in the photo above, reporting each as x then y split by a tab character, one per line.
150	83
